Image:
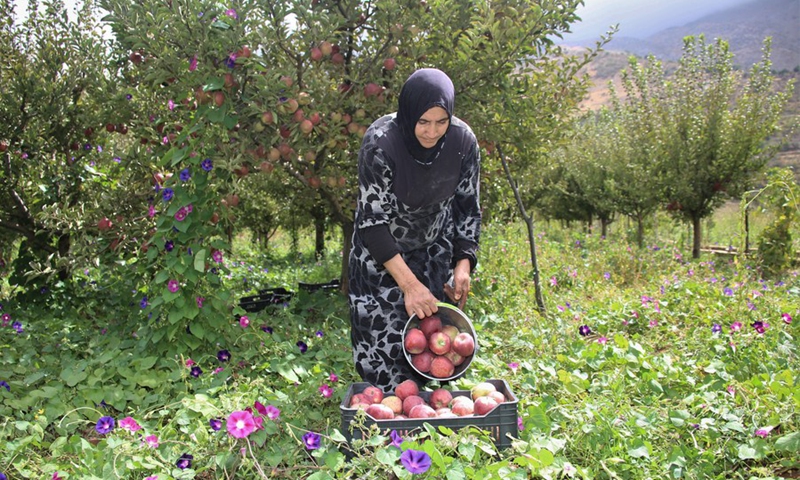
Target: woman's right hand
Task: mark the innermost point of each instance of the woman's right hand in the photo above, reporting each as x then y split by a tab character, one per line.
419	300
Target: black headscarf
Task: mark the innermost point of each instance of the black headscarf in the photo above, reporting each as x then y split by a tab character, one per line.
424	89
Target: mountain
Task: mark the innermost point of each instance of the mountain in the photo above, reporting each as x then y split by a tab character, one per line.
744	27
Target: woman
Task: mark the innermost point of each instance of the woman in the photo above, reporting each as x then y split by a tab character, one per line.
417	223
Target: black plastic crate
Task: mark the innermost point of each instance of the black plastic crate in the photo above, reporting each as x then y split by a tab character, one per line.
500	423
265	298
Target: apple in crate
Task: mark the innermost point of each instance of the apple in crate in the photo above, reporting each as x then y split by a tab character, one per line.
422	411
484	405
411	402
462	406
394	403
497	396
373	394
406	388
440	398
359	398
379	411
455	358
464	344
415	341
451	331
482	389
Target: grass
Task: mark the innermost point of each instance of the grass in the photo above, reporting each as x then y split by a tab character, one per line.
673	378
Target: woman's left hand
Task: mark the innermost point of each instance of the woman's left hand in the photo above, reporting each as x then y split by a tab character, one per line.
459	291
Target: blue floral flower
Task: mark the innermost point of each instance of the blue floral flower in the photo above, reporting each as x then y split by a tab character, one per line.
184	462
104	425
167	194
207	165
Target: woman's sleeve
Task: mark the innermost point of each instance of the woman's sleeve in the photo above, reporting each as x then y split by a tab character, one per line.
374	204
467	210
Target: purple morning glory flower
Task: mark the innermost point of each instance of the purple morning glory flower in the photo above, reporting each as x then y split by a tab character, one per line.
397	440
584	330
223	355
716	328
302	346
415	461
319	334
728	292
184	462
143	303
185	175
215	423
128	96
759	326
311	440
266	328
169	245
5	385
167	194
230	62
17	326
196	371
104	425
207	165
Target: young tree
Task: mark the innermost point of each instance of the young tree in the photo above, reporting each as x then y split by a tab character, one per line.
716	129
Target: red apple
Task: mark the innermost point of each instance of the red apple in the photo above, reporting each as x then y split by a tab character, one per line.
442	367
3	146
431	324
464	344
422	361
406	388
287	80
422	411
110	127
411	402
373	394
337	58
267	118
439	343
389	63
316	54
462	406
219	98
394	403
104	224
306	126
415	341
455	358
484	405
315	118
441	398
497	396
358	398
372	89
379	411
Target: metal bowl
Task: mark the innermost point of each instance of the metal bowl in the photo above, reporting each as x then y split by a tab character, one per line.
450	315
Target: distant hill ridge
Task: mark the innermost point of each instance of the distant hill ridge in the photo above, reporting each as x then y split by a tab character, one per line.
744	27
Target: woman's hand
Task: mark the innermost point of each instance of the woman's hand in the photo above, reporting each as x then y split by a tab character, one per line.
461	280
418	298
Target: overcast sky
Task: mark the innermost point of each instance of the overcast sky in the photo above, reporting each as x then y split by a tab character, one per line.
641	18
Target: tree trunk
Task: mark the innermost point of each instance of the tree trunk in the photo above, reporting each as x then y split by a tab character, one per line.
640	230
319	233
697	236
604	223
537	283
347	243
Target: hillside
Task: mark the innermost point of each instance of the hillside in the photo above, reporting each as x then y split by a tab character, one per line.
744	27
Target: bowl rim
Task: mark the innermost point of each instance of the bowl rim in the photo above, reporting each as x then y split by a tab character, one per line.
467	361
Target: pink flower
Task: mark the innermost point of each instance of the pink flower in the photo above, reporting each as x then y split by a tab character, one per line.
151	477
763	432
151	211
151	441
173	286
736	326
731	390
553	281
272	412
787	319
333	378
244	322
200	301
56	476
232	13
326	390
513	366
653	323
241	424
181	214
189	362
193	64
128	423
217	256
171	104
260	408
217	370
602	340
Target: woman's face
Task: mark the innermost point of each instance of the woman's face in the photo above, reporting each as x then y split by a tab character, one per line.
431	126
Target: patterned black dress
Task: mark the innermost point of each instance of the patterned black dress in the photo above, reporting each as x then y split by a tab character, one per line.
433	214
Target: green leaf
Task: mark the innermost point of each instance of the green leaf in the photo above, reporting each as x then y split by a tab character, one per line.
73	376
678	417
200	260
789	442
197	329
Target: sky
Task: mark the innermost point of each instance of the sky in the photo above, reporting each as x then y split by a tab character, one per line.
641	18
637	18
